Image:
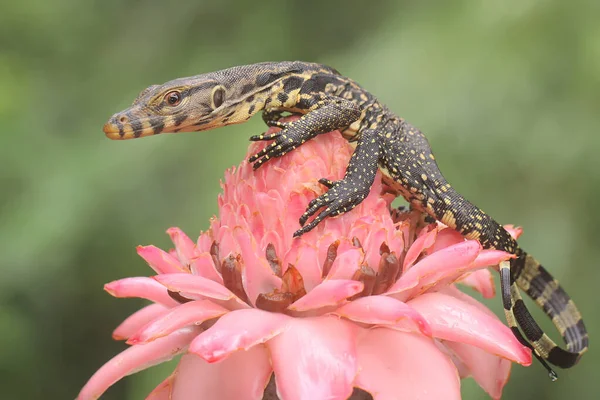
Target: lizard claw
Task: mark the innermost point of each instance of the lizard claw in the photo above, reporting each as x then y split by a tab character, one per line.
309	227
272	117
265	136
262	153
283	144
275	123
337	200
326	182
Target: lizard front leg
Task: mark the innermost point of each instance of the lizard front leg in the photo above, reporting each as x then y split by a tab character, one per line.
328	115
349	192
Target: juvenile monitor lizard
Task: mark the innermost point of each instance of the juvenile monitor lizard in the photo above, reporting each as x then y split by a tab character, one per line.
328	101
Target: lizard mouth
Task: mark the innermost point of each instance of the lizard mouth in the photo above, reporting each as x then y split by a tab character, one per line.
123	132
121	128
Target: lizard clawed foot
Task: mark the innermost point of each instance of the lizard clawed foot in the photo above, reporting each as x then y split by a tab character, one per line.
283	143
340	198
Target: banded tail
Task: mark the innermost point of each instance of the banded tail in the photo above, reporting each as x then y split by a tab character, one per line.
522	272
526	273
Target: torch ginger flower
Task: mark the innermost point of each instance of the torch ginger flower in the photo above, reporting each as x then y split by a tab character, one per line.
365	300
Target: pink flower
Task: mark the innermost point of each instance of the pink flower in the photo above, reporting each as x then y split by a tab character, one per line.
366	300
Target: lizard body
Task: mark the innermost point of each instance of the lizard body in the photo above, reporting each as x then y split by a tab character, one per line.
328	101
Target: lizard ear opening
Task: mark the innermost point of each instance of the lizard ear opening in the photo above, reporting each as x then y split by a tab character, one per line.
218	96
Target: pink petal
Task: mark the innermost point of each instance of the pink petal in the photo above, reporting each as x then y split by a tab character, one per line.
314	359
371	240
266	203
204	242
241	329
400	365
423	242
328	293
257	275
446	237
452	290
163	390
384	310
201	287
184	246
134	359
455	320
203	265
307	263
489	371
226	241
191	313
481	281
159	260
448	262
274	238
485	258
142	287
242	376
137	320
515	231
348	260
491	258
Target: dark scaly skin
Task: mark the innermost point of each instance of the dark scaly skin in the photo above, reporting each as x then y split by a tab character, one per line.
328	101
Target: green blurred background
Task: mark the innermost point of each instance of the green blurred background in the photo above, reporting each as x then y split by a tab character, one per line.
508	93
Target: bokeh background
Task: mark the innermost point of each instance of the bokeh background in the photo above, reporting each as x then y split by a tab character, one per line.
508	93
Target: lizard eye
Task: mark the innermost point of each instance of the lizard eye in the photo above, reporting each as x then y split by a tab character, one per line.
173	98
218	96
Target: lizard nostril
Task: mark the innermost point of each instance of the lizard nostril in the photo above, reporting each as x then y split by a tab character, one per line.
123	119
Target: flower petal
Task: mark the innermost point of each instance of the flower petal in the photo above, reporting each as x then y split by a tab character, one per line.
481	281
163	390
314	359
452	261
191	313
515	231
257	275
242	376
489	371
333	292
134	359
446	237
490	257
455	320
202	288
384	310
142	287
137	320
203	265
401	365
184	246
159	260
307	263
240	329
347	261
422	243
204	242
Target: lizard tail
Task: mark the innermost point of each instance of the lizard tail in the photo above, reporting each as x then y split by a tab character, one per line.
526	273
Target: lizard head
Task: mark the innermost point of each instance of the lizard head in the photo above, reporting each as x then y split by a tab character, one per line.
181	105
